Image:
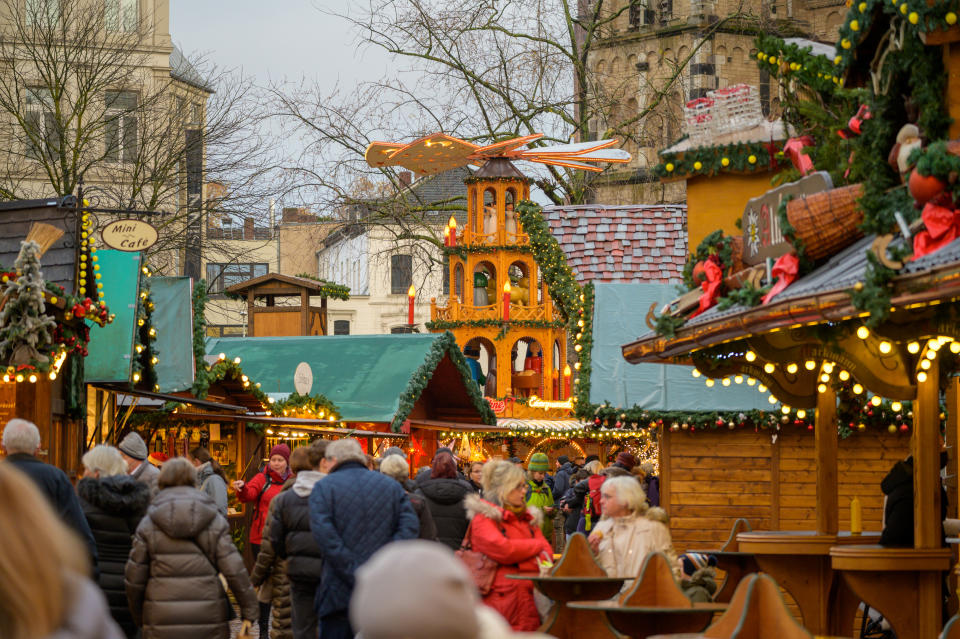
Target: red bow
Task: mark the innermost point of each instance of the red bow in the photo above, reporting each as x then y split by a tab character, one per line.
794	150
710	286
785	268
942	227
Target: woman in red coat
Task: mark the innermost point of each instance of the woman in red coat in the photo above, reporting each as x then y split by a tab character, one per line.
261	490
503	529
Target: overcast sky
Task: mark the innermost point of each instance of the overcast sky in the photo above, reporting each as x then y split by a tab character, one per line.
284	38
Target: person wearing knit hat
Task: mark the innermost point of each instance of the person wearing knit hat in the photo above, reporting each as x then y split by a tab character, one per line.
261	490
405	578
539	492
134	451
626	460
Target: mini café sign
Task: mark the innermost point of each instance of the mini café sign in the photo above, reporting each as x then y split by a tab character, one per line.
129	235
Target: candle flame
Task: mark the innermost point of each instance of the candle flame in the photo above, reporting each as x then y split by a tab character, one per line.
411	291
566	370
452	223
506	287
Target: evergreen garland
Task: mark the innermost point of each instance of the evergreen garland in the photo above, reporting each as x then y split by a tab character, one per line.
462	250
442	325
713	244
25	327
316	406
742	157
563	287
747	295
201	381
583	338
445	344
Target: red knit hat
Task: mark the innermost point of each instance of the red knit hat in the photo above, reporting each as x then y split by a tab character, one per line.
281	449
627	460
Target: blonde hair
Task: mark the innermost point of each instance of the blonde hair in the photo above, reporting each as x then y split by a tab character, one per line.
177	472
499	478
106	460
36	553
594	467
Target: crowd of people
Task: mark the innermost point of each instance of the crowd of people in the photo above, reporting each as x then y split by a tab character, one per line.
341	541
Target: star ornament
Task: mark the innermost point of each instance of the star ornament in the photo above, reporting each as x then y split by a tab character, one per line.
440	152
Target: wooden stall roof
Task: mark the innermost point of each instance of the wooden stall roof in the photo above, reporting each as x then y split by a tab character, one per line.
16	218
279	284
371	378
821	296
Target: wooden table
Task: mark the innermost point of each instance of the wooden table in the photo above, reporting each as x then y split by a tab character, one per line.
736	565
566	622
800	562
641	622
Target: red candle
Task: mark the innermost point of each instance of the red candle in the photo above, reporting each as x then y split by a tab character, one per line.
452	225
506	301
446	236
566	382
411	292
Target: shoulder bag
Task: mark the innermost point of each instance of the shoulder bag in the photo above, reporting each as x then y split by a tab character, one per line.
480	566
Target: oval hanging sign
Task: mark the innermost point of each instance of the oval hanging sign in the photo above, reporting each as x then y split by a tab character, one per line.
303	378
129	235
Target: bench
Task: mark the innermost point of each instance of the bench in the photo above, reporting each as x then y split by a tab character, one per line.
902	583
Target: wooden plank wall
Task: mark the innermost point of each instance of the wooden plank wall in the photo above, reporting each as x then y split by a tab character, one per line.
712	478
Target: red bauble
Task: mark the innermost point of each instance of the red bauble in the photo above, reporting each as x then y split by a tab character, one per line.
924	188
699	273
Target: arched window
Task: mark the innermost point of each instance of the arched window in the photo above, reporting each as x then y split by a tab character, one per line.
458	282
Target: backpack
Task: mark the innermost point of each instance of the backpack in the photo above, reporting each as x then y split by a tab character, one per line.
266	485
591	504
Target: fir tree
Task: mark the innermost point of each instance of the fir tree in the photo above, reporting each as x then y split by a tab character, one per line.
25	328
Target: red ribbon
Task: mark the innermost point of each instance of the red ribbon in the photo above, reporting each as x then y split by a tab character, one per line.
942	227
710	286
785	268
794	150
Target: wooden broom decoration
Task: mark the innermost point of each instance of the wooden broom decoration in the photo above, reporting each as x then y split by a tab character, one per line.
44	235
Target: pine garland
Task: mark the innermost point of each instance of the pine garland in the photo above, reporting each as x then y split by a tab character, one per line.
563	287
25	327
201	380
583	337
743	157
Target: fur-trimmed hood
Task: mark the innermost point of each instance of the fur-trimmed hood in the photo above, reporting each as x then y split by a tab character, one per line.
120	495
477	505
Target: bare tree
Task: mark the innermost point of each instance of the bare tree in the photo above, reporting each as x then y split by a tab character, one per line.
84	95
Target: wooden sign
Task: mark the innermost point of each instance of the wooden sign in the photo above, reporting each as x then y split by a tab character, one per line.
129	235
762	236
303	378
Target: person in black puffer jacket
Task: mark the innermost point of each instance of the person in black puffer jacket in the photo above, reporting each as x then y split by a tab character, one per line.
396	467
292	540
444	494
113	504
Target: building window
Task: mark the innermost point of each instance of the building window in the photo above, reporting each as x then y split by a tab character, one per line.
226	330
401	273
120	128
122	15
446	274
223	276
341	327
41	124
43	12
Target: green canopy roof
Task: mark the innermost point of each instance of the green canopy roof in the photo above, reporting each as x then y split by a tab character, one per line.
371	378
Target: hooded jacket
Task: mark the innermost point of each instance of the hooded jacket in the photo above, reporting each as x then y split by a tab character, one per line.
114	507
898	512
561	480
171	577
257	490
515	543
444	499
272	567
214	485
290	530
86	616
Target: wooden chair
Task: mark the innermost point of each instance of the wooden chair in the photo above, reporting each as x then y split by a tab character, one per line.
577	560
733	563
757	611
739	526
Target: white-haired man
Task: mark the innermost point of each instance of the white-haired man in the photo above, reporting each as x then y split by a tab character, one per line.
353	513
21	442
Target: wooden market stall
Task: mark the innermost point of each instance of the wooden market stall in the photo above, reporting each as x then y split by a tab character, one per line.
840	300
281	304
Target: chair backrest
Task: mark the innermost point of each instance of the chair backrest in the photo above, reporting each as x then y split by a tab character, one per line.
577	560
952	629
757	611
739	526
655	586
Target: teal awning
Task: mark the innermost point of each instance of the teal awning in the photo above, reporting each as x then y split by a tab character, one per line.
618	318
173	318
371	378
110	346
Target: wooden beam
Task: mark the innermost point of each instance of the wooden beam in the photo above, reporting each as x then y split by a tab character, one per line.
775	484
825	436
665	436
925	445
251	330
304	312
952	438
323	316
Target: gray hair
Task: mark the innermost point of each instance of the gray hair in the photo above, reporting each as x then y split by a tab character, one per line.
594	467
21	436
628	492
499	478
176	472
106	460
344	450
396	467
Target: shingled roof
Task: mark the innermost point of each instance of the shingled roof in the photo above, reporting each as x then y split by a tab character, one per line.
634	243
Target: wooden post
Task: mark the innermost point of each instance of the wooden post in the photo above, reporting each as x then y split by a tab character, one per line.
251	330
952	439
925	446
825	435
666	436
775	484
304	312
323	316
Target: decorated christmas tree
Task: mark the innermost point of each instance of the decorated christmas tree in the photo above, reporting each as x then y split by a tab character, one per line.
25	328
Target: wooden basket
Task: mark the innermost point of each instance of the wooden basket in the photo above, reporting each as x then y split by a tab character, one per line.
828	221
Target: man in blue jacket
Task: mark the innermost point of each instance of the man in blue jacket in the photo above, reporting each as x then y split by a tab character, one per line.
353	513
